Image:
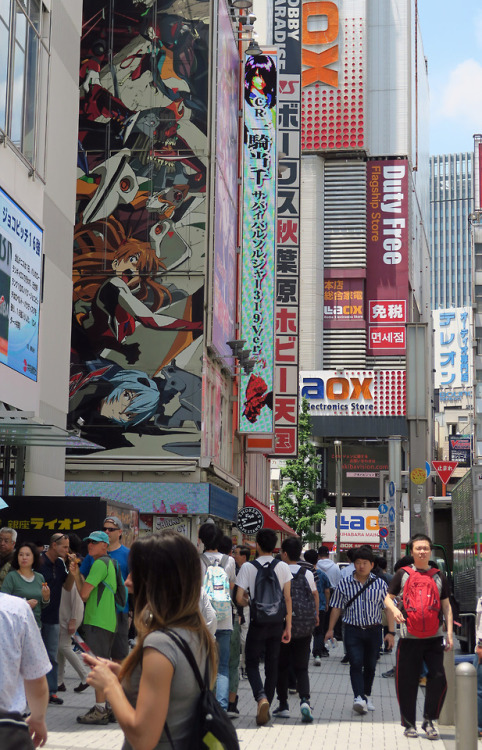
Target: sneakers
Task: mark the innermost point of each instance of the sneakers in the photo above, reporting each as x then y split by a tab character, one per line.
282	712
244	674
80	687
232	711
370	706
306	715
61	688
345	659
262	714
410	732
390	673
325	654
317	661
55	699
94	716
430	730
360	705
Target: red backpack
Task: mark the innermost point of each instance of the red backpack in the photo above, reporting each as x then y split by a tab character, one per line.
421	602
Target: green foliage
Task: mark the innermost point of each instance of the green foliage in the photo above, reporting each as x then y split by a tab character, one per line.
297	506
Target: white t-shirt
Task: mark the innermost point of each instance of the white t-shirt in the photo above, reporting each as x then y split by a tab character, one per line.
246	577
227	623
22	652
294	567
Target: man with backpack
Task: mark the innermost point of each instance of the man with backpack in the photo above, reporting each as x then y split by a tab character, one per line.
425	603
265	584
296	653
100	620
219	574
362	597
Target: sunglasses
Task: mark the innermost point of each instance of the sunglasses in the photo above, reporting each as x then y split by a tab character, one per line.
110	528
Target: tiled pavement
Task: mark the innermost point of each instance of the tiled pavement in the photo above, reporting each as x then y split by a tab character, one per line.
335	725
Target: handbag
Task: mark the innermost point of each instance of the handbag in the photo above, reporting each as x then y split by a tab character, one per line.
14	732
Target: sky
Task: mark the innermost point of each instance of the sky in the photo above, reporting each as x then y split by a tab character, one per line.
452	40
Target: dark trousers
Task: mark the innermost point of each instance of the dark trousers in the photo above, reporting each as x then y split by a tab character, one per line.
296	654
261	639
362	647
411	653
319	634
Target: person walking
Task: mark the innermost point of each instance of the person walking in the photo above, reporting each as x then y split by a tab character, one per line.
24	581
263	583
117	551
324	593
425	605
98	591
224	568
71	615
362	597
53	569
241	555
155	692
295	655
23	665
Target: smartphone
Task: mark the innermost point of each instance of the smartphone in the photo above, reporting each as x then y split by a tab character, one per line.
82	644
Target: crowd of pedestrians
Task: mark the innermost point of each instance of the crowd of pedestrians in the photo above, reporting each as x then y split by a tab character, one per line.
203	618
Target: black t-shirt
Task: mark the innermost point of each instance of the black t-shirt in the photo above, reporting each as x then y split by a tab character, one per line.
55	575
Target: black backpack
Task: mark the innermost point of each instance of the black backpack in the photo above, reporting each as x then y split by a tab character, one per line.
304	615
268	603
120	594
212	728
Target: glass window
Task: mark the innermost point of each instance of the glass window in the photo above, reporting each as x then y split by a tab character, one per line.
24	64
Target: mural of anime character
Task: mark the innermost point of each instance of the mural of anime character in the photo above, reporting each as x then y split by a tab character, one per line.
139	241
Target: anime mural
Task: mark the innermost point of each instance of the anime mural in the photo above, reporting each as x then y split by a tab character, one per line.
139	240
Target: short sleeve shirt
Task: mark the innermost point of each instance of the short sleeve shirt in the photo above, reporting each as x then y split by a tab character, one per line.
395	588
246	578
100	606
22	652
121	555
294	568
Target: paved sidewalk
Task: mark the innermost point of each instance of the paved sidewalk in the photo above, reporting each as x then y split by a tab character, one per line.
335	723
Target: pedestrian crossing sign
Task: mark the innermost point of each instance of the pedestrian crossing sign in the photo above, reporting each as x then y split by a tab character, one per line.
383	544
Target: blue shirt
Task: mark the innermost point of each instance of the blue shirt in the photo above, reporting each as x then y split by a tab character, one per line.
55	575
367	608
121	555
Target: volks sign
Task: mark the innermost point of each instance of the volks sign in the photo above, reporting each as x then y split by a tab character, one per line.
354	392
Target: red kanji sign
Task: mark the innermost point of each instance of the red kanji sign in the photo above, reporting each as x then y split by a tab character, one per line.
444	469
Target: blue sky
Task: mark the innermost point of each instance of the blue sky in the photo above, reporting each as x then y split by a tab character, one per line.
452	40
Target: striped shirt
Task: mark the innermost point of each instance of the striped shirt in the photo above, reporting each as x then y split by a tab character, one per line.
367	608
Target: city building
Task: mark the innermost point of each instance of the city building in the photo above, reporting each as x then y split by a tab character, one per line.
38	153
451	203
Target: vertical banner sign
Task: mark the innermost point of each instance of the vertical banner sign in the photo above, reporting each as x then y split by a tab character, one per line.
333	77
477	172
258	253
287	36
453	348
387	256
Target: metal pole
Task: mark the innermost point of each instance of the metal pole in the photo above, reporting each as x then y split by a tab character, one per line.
466	707
339	497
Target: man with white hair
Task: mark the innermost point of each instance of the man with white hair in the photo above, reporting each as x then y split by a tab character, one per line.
23	666
8	537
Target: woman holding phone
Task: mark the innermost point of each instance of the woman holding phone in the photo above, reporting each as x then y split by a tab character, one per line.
156	685
24	580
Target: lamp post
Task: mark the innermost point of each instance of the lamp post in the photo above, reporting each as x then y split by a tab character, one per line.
339	499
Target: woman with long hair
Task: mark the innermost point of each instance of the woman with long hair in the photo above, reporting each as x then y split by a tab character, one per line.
156	685
24	580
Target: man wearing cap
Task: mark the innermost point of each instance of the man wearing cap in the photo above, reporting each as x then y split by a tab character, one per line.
117	551
100	616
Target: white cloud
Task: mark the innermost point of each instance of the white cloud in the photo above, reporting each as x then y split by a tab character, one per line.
462	95
478	28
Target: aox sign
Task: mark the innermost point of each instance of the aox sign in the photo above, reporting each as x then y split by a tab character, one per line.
333	392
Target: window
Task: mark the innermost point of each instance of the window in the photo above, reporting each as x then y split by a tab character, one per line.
24	56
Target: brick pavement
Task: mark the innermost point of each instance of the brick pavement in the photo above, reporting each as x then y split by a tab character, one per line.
335	725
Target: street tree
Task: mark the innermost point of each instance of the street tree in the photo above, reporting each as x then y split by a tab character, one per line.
297	504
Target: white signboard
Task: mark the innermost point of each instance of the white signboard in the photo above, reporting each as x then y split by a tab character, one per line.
452	348
358	526
354	393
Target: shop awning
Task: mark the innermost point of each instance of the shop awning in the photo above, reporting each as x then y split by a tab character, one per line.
271	520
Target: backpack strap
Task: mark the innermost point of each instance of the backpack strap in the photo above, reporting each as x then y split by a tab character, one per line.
358	593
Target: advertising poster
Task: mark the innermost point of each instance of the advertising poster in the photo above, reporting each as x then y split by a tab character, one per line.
354	393
258	246
140	236
361	467
333	77
460	450
343	299
226	188
20	272
387	256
